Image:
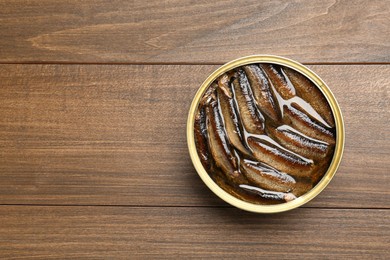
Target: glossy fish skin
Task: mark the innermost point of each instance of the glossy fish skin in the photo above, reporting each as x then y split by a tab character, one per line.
209	94
223	85
251	117
262	136
200	132
306	125
309	92
231	118
285	89
267	177
280	158
266	194
220	148
299	143
262	92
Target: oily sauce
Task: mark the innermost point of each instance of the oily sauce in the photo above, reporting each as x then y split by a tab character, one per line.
264	133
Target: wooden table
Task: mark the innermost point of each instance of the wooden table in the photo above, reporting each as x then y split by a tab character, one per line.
94	100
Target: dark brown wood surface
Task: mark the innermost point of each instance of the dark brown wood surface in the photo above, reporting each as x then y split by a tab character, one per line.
94	97
123	232
115	135
193	31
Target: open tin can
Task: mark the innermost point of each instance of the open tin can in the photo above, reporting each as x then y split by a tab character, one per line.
338	131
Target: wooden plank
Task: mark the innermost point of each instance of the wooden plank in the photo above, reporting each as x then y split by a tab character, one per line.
123	233
187	31
115	135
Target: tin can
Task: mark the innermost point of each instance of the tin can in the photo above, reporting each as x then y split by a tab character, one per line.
339	126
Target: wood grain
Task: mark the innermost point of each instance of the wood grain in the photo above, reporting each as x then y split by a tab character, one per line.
123	233
187	31
115	135
93	157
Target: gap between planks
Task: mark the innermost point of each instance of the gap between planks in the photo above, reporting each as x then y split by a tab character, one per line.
173	206
173	63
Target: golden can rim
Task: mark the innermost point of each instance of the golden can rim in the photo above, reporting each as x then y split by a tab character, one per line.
339	124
